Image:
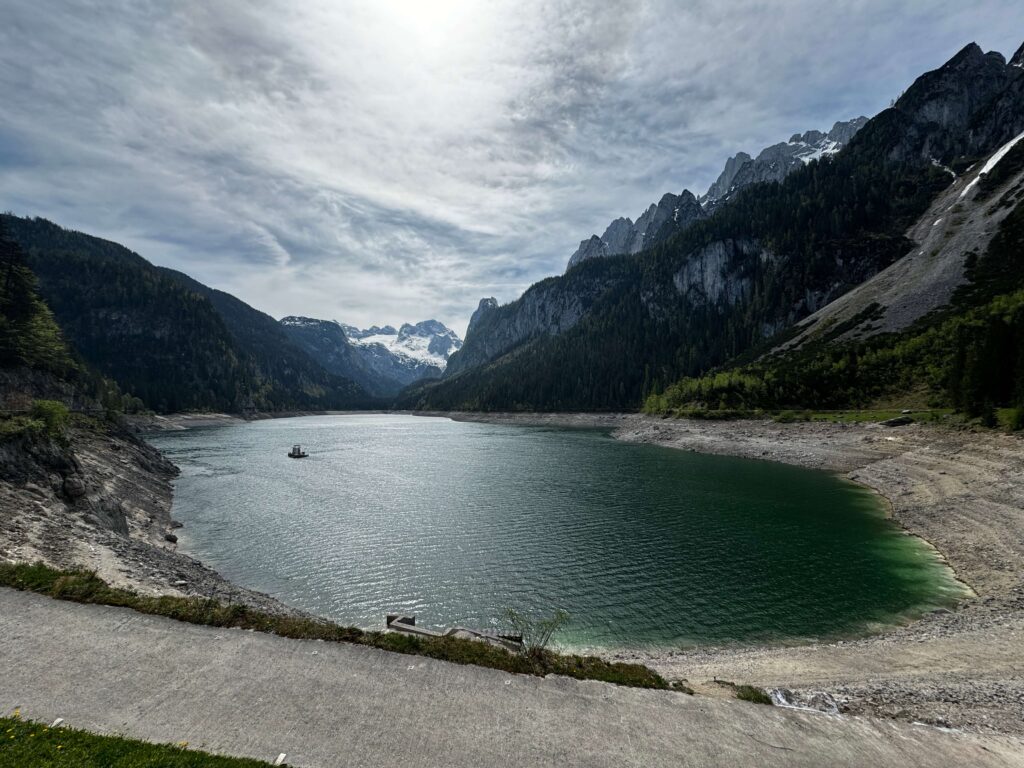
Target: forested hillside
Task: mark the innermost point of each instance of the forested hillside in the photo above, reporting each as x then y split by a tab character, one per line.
285	374
968	356
612	331
29	336
166	339
35	361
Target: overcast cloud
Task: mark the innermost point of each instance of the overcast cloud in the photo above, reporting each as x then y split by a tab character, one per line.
393	160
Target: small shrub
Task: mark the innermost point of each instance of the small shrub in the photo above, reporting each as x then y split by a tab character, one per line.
753	694
987	416
789	417
536	632
681	686
53	415
1015	419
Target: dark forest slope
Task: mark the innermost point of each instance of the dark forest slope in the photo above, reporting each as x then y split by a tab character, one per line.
166	339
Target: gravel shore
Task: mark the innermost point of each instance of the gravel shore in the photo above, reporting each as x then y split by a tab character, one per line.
961	491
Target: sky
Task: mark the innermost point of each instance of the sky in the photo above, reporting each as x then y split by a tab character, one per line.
391	161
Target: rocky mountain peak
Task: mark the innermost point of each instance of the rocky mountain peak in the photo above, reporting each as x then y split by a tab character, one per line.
660	221
298	321
809	137
1018	58
776	162
965	57
844	130
382	359
442	341
967	104
424	328
723	184
485	306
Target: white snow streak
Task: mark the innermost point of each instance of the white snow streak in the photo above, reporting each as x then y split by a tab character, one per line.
992	163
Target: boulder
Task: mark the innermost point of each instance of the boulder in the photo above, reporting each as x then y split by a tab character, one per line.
823	702
74	487
899	421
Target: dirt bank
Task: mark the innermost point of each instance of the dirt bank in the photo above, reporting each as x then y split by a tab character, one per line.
102	502
961	491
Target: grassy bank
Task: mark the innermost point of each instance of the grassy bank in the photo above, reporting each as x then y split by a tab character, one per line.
33	745
86	587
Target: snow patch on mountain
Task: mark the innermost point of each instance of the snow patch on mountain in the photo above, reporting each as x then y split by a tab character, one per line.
776	162
993	161
674	213
429	342
383	360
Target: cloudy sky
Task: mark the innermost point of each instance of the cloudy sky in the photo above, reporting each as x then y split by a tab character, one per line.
394	160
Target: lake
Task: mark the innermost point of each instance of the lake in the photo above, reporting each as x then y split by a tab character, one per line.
457	522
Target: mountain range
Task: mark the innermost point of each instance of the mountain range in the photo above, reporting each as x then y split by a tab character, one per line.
776	162
882	261
761	264
381	359
170	343
674	213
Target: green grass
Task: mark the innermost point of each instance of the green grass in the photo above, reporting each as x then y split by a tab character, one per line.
16	426
87	587
33	745
47	417
1010	419
753	695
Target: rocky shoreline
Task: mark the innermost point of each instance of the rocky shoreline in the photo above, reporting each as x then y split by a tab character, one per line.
961	491
102	502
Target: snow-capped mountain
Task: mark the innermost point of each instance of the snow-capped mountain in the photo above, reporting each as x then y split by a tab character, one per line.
382	359
676	212
429	342
776	162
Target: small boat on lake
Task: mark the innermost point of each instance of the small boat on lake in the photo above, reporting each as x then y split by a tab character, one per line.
297	453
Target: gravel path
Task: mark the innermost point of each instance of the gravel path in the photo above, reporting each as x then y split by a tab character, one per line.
322	704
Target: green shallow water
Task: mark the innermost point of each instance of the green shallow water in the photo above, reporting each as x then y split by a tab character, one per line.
455	522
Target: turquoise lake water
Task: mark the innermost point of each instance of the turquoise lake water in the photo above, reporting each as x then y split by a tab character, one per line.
456	522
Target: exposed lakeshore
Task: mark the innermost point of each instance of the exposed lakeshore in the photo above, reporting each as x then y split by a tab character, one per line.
960	491
104	505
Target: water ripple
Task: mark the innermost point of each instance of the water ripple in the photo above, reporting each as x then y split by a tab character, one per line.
457	522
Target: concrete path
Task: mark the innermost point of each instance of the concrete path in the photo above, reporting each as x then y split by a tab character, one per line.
338	706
